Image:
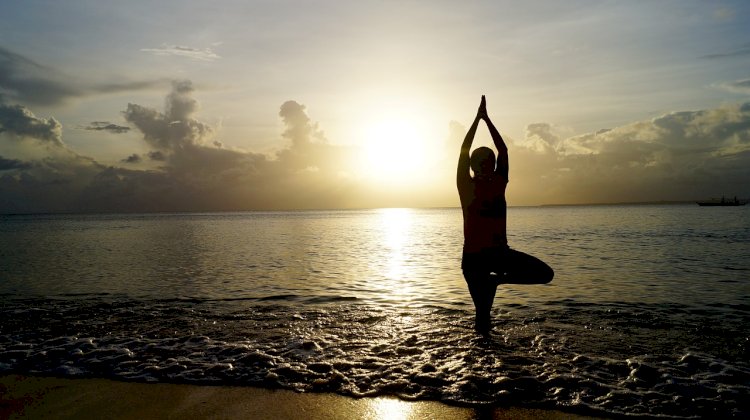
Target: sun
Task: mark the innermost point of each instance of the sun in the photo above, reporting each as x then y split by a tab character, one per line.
395	150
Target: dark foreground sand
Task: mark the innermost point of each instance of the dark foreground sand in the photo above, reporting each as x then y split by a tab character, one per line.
42	397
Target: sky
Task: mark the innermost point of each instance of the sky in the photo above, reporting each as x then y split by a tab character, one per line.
262	105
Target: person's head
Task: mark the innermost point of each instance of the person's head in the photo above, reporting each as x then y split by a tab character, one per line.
482	161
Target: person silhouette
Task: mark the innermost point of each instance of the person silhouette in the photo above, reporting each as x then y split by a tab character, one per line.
487	260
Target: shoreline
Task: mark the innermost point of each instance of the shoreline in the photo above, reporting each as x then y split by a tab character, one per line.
23	396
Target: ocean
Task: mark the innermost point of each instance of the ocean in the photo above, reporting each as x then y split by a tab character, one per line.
648	313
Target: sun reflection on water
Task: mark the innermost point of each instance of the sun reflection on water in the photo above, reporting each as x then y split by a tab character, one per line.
396	225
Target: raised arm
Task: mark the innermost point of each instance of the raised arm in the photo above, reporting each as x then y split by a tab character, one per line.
462	174
501	167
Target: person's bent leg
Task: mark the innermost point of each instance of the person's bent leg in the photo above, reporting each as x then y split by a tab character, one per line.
482	292
522	268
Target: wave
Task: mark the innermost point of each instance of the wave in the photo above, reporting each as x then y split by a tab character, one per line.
607	358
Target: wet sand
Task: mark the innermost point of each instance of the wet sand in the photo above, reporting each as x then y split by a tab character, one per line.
46	397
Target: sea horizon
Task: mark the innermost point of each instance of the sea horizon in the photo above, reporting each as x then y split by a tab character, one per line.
592	204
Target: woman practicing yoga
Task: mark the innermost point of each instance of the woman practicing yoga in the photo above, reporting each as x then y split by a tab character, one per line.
487	260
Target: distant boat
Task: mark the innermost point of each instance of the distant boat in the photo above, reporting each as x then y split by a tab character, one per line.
722	202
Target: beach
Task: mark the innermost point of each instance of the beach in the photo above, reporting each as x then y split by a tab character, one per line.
359	311
58	398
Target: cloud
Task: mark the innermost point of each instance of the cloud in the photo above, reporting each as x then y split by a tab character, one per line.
676	156
214	177
134	158
737	86
175	128
107	126
197	172
19	121
309	147
539	137
157	156
126	86
9	164
25	81
205	54
300	130
738	52
50	184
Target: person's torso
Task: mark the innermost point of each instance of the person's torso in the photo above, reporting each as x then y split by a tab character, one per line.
484	210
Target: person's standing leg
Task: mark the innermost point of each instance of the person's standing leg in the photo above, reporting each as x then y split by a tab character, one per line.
482	290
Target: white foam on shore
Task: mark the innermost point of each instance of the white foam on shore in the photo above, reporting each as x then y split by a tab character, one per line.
533	357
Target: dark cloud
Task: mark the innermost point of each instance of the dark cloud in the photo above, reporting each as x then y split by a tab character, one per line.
107	126
9	164
175	128
156	155
19	121
51	184
739	52
134	158
24	81
127	86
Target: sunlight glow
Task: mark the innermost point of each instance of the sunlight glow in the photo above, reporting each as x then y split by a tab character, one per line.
397	149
